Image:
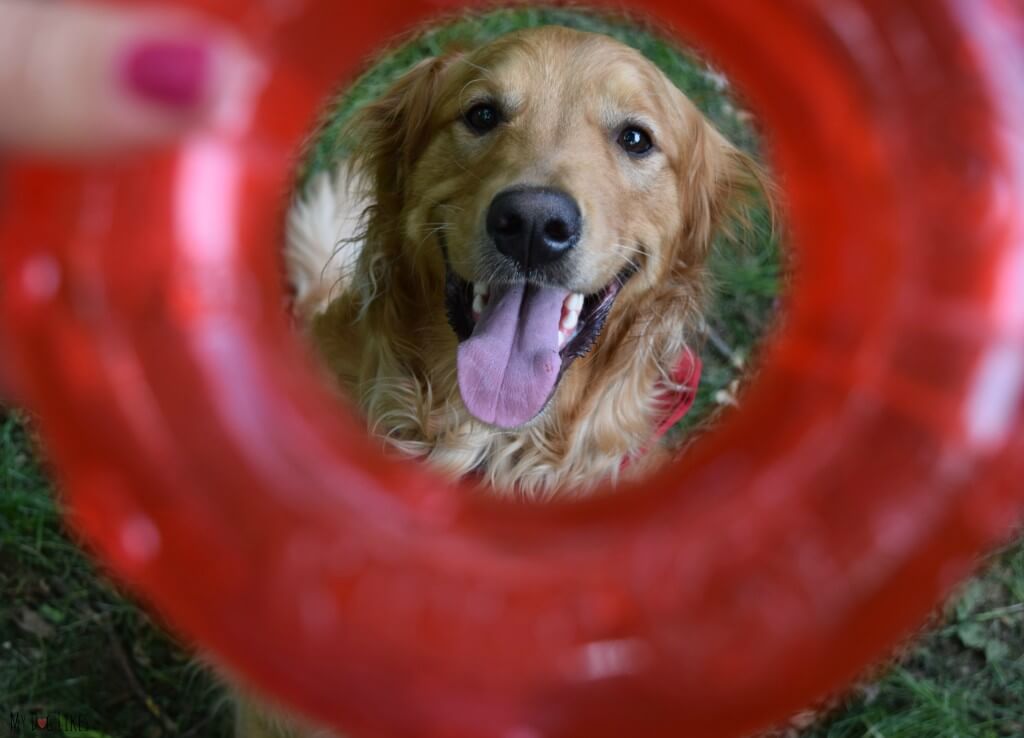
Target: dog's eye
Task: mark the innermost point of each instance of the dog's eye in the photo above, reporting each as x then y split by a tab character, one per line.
482	118
635	141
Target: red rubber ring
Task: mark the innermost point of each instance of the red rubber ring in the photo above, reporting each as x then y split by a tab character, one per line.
879	450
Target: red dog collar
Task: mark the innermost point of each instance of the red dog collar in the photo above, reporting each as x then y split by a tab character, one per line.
674	402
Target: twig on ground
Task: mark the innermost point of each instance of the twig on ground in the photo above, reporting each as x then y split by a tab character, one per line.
735	358
122	658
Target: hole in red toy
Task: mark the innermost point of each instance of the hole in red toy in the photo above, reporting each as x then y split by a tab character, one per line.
419	251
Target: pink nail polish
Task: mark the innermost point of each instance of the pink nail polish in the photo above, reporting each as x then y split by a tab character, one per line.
169	73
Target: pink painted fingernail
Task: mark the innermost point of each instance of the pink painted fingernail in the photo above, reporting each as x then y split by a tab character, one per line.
169	73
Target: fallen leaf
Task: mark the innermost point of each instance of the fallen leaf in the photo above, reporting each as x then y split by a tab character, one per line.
972	635
996	650
51	613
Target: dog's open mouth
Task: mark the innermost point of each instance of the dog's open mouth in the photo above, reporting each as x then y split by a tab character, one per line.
516	341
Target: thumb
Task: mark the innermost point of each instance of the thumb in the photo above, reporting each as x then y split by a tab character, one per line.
75	78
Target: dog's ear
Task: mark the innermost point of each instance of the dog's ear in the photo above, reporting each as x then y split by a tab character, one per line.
721	187
389	134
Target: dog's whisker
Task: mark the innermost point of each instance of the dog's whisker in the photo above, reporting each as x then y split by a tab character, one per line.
431	233
626	247
468	171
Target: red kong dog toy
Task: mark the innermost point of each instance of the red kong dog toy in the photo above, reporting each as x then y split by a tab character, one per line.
880	449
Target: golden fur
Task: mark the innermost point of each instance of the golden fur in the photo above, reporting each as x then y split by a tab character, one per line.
385	335
372	297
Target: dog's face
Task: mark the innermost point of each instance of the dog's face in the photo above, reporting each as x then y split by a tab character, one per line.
559	180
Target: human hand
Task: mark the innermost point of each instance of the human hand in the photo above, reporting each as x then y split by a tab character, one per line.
82	79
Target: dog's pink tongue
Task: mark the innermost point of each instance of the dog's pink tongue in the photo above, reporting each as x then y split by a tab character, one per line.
509	366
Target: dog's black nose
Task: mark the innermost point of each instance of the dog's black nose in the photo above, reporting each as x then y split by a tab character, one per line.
534	226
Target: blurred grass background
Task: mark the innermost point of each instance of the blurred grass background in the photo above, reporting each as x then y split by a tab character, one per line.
71	644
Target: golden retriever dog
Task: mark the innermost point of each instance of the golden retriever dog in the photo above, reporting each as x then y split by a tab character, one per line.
507	272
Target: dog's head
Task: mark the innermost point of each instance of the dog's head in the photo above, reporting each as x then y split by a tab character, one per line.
550	182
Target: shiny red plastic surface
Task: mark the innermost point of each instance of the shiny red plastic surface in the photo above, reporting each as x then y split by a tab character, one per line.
880	449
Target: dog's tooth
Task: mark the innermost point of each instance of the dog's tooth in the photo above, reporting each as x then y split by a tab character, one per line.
481	288
570	320
478	305
562	339
574	302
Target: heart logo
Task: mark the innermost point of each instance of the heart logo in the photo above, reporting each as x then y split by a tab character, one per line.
41	722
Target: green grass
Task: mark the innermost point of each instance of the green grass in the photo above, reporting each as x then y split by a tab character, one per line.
70	643
964	678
